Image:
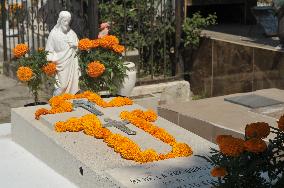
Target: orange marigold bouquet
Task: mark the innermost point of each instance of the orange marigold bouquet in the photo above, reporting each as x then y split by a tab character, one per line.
101	64
32	67
251	161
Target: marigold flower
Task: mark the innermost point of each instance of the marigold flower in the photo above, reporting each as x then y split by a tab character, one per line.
257	130
255	145
39	112
40	49
218	172
149	155
60	104
85	44
95	43
221	138
118	48
111	39
120	101
24	74
95	69
128	149
280	123
232	147
181	150
108	41
151	115
20	50
49	69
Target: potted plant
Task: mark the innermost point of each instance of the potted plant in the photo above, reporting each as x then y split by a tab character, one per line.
31	69
101	64
249	161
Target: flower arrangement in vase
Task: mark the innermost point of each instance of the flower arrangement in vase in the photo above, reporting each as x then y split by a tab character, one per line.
32	68
101	64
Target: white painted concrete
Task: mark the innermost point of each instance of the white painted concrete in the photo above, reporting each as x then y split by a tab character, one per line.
20	169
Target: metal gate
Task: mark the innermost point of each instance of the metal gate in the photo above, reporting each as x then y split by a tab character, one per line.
30	21
152	27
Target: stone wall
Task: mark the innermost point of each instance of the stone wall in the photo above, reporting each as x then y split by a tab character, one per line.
221	68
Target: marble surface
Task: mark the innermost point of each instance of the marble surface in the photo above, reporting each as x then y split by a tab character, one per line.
19	168
97	160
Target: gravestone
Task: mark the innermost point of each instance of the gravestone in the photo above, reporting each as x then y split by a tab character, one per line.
89	162
253	101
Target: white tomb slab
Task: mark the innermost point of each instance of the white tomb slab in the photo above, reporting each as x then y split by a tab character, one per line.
188	172
89	162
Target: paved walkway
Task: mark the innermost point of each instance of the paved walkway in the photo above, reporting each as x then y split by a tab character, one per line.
13	94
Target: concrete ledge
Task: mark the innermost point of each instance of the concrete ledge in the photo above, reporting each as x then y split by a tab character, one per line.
211	117
178	89
151	96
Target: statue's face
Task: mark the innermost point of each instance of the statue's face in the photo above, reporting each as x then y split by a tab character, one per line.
65	24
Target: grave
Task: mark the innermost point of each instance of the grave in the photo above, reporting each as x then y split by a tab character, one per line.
89	162
214	116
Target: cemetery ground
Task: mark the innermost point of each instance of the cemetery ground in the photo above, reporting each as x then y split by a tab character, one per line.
13	94
199	117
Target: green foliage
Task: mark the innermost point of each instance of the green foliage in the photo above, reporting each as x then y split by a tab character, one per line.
242	171
192	28
34	61
140	26
149	27
115	72
203	95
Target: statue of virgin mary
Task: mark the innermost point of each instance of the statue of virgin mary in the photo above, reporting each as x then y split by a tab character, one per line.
62	45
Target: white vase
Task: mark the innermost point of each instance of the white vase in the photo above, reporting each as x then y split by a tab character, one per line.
129	80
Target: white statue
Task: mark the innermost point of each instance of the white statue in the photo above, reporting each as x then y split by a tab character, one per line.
62	45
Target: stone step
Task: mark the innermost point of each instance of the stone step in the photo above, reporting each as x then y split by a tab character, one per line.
211	117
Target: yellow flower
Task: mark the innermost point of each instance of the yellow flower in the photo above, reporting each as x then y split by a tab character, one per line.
20	50
109	41
41	111
280	123
232	147
221	138
92	126
181	150
118	48
49	69
40	49
85	44
218	172
95	69
24	74
257	130
255	145
95	43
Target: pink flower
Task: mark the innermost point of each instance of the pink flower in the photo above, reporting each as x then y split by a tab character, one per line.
103	33
104	25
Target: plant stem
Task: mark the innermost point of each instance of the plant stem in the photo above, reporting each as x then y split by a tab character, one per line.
36	96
